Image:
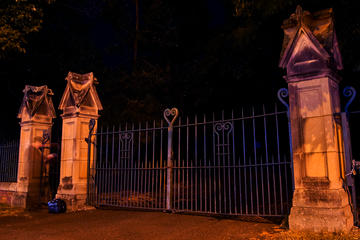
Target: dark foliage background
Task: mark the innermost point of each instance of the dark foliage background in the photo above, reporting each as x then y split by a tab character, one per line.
200	56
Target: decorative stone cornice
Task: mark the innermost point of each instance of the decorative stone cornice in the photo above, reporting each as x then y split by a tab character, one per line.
311	38
80	91
37	100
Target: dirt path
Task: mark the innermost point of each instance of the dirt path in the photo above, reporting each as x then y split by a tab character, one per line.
122	224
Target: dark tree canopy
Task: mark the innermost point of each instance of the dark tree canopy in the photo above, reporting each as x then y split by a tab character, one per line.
199	56
18	19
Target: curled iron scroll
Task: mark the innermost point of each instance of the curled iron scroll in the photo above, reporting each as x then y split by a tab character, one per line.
349	92
126	136
45	137
91	129
225	127
283	93
91	125
174	112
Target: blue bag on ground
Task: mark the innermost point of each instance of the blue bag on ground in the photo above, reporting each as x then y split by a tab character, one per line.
57	206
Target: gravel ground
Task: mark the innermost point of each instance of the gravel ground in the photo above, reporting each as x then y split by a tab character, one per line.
126	224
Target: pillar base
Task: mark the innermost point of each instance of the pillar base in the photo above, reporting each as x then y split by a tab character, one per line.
74	194
24	200
75	202
27	195
321	219
19	200
321	210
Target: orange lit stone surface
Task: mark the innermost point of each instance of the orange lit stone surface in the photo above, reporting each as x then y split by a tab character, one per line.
36	114
311	58
79	104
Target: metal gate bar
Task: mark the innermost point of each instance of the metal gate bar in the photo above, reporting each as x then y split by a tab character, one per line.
348	118
230	173
128	168
9	155
233	164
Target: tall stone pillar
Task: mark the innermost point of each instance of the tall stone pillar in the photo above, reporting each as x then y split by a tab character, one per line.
312	58
80	103
36	114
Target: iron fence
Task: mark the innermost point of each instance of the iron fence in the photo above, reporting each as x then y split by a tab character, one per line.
9	156
236	163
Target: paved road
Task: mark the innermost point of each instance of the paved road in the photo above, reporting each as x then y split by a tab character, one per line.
123	224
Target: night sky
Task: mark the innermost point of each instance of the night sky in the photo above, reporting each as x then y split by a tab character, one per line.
194	55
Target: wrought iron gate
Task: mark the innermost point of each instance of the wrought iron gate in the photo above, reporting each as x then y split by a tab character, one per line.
349	121
235	164
49	168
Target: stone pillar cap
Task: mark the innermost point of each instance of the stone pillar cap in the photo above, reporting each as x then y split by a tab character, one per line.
318	30
37	98
80	90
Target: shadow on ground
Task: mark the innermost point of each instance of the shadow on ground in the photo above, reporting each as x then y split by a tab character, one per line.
136	225
123	224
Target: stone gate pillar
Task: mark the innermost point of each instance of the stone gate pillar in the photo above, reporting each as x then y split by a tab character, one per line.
36	114
312	58
79	104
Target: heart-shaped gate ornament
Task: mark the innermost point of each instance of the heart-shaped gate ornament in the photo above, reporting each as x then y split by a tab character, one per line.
174	112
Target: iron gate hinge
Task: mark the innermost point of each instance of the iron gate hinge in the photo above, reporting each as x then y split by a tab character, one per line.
355	167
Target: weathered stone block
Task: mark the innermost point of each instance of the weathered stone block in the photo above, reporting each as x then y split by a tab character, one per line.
321	219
